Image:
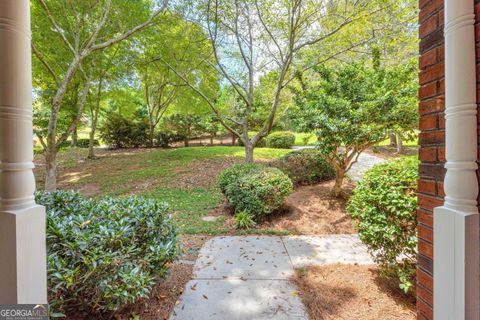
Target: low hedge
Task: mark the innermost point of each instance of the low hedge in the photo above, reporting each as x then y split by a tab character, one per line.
104	254
384	204
254	189
281	140
305	167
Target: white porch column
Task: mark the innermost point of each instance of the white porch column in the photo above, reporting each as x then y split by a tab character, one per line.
456	224
22	222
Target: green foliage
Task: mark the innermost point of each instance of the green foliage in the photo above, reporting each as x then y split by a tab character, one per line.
233	174
256	190
165	138
84	142
187	126
107	253
384	204
305	167
281	140
244	220
121	132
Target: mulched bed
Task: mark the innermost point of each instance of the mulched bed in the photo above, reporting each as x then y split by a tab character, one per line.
352	292
313	210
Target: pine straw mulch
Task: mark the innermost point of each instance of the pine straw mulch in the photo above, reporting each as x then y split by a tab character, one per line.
345	292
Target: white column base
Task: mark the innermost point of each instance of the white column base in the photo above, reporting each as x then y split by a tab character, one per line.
23	269
456	265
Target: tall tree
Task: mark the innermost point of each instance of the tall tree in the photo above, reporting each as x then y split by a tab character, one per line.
83	28
255	37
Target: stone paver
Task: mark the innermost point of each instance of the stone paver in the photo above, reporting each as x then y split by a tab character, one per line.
365	162
235	299
246	278
251	257
318	250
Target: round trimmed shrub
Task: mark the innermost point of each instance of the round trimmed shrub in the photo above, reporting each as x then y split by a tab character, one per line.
384	204
258	191
305	167
233	174
104	254
281	140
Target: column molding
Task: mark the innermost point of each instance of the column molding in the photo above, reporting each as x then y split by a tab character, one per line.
456	223
23	276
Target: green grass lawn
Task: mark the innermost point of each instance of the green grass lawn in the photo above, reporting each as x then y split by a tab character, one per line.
186	178
301	138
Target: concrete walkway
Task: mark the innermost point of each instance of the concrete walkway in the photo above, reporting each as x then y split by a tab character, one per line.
365	162
246	278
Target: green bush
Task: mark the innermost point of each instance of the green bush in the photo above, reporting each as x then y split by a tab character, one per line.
305	167
120	132
83	143
384	204
233	174
165	138
104	254
260	144
258	191
281	140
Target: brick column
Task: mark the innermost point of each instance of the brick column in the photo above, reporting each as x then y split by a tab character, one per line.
432	142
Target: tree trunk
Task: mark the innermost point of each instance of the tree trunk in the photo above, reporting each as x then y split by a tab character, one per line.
211	140
339	177
50	168
74	137
399	144
186	143
234	139
393	140
91	142
150	135
249	152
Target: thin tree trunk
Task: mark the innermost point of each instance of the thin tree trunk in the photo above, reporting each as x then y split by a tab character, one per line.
339	177
399	144
150	135
74	137
393	140
211	140
186	143
91	142
50	168
234	139
249	152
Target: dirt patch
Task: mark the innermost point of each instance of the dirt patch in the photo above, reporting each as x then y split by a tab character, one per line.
352	292
388	153
203	173
313	210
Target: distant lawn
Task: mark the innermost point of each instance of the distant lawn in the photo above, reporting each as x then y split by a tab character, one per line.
301	138
406	143
186	178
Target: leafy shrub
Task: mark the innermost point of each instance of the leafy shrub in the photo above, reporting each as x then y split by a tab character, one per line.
120	132
305	167
165	138
83	143
256	190
260	144
104	254
281	140
384	204
244	220
233	174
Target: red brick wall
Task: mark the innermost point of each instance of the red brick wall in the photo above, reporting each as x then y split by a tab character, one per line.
432	141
